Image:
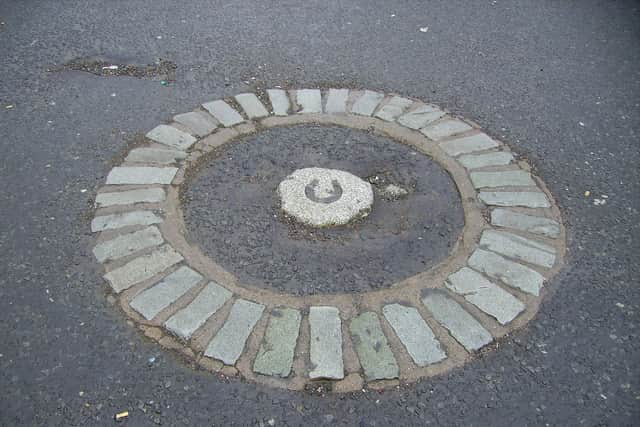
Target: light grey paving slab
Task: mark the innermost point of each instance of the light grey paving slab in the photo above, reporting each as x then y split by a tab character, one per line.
414	333
279	101
325	343
514	246
528	199
367	103
474	161
501	179
420	117
130	197
533	224
125	219
128	244
310	100
142	268
468	144
509	272
172	137
199	122
275	356
223	113
394	108
460	324
251	105
445	128
372	347
187	320
155	155
122	175
485	295
336	101
227	345
153	300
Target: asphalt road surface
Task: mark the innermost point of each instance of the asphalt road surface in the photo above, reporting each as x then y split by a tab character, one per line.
559	81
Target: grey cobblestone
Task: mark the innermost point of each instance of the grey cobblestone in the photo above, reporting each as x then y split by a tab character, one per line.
336	101
155	155
200	123
394	108
251	105
445	128
144	175
474	161
501	179
125	219
130	197
172	137
468	144
529	199
279	101
510	272
127	244
310	100
275	356
367	103
514	246
372	347
226	115
420	117
326	343
532	224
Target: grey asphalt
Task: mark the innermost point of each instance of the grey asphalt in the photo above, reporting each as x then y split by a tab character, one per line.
557	80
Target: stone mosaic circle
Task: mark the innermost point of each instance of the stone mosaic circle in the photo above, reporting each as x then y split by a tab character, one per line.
486	278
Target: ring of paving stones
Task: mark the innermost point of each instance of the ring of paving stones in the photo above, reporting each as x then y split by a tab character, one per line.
334	239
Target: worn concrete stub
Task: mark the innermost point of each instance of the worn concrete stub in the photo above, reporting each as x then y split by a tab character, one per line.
275	356
326	343
372	347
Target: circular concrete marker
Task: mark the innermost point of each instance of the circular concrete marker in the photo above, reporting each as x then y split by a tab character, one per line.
487	284
324	197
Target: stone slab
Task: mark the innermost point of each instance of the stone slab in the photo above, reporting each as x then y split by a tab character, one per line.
414	333
468	144
275	356
127	244
474	161
143	175
227	345
420	117
223	113
528	199
172	137
501	179
445	128
532	224
520	248
485	295
336	101
153	300
142	268
199	122
366	104
372	347
325	343
125	219
310	100
186	321
509	272
155	155
393	109
279	101
251	105
460	324
130	197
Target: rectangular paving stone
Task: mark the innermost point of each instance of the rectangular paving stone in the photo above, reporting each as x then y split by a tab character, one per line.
226	115
420	117
168	135
414	333
325	343
372	347
336	101
501	179
189	319
310	100
155	155
128	244
251	105
528	199
121	175
509	272
532	224
468	144
153	300
460	324
142	268
474	161
485	295
275	356
514	246
131	197
279	101
367	103
199	122
229	342
445	128
125	219
394	108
